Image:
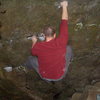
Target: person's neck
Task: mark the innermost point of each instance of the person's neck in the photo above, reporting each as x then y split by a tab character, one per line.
49	39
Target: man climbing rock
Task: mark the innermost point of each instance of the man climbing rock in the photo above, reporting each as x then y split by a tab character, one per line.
52	57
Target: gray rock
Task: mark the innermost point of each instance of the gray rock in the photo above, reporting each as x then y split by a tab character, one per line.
76	96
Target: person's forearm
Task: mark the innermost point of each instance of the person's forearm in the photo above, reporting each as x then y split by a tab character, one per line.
64	13
33	44
34	40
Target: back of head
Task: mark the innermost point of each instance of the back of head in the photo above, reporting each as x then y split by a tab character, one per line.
49	31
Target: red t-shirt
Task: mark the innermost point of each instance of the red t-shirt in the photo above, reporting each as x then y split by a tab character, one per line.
51	55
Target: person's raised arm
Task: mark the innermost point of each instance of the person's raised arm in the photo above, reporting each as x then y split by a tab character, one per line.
64	6
63	32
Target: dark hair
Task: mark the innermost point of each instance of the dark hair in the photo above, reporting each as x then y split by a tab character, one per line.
49	31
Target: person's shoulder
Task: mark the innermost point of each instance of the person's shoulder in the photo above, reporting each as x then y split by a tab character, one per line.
40	43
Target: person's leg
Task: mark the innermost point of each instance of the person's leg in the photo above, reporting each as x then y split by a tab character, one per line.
69	56
32	63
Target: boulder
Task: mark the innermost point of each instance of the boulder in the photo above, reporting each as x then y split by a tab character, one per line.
76	96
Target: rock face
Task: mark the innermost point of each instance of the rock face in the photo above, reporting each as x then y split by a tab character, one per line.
22	18
91	92
11	92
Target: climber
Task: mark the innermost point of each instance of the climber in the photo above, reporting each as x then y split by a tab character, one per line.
51	58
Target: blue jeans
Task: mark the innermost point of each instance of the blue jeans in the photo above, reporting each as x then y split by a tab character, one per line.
32	63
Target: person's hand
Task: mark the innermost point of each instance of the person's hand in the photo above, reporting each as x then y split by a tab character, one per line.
64	4
34	39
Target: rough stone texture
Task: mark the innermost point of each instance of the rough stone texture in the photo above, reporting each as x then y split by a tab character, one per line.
11	92
90	93
22	18
76	96
97	84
